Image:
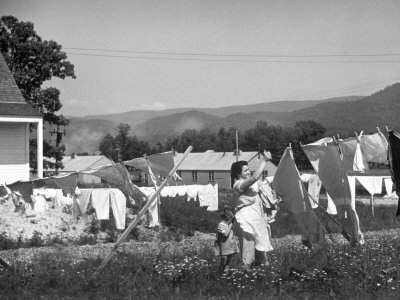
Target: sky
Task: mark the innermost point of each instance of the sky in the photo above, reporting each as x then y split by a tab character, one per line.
162	54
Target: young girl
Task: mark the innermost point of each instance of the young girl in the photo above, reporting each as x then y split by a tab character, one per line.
226	244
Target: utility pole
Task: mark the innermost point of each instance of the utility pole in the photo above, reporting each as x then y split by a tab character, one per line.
59	134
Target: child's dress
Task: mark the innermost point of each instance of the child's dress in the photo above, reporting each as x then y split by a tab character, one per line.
226	243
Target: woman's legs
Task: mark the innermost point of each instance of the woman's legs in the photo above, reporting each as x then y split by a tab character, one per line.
247	249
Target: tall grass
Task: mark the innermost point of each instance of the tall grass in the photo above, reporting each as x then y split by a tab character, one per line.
166	271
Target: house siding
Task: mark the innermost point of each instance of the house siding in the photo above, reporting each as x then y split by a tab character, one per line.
15	172
223	178
14	152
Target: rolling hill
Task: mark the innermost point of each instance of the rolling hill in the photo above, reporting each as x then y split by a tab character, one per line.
342	116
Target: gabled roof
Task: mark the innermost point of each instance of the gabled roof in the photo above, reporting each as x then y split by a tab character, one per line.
11	100
80	163
217	161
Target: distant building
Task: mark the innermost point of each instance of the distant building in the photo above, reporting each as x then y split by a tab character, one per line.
214	167
15	117
75	163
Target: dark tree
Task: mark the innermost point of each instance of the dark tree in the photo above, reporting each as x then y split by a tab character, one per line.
32	62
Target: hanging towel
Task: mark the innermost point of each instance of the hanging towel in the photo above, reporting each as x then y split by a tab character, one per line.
314	187
388	186
205	193
288	185
101	203
214	203
118	205
83	201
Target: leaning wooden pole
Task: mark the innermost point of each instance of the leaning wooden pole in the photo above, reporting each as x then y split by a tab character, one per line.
141	213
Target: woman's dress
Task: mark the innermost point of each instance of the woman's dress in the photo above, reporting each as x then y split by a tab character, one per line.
253	229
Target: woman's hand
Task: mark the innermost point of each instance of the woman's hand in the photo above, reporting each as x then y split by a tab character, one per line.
267	155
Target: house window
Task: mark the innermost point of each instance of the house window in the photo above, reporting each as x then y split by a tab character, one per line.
265	174
211	176
194	175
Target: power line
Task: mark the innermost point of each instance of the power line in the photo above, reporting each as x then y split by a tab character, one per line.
236	60
235	55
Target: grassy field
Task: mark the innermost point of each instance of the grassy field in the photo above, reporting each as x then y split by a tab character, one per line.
177	262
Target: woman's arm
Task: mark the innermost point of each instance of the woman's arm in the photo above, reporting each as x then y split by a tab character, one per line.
246	183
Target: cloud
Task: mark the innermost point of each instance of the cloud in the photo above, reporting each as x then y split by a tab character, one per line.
154	106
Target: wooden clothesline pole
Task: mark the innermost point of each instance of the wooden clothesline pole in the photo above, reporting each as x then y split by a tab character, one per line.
140	214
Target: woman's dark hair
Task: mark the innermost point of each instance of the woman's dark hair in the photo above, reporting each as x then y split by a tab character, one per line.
236	170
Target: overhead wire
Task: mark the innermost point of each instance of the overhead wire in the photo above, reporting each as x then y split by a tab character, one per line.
235	60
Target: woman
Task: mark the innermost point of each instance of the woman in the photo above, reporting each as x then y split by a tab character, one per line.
253	230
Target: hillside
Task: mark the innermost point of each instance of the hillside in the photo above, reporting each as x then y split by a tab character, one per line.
340	116
139	116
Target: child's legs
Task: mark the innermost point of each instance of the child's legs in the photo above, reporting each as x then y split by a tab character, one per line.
224	260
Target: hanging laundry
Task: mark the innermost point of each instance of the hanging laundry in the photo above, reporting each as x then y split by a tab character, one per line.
3	191
288	185
388	187
214	202
374	147
118	176
331	207
153	208
101	203
181	190
39	203
359	163
206	194
82	201
118	205
23	189
373	184
326	158
192	191
394	162
67	183
314	188
352	156
352	185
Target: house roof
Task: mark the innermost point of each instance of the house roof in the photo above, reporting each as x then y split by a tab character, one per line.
217	161
11	100
80	163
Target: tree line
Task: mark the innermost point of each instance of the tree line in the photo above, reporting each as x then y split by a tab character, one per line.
275	139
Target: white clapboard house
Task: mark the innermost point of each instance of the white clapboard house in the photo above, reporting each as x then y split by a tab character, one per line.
15	117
